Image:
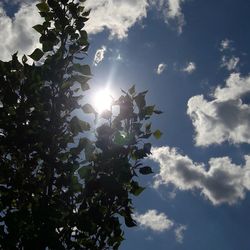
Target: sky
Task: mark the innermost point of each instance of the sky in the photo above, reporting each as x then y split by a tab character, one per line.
193	57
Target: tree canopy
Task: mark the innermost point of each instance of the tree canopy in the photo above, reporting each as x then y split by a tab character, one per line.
60	189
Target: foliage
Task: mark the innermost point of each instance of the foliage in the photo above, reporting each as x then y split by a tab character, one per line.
53	195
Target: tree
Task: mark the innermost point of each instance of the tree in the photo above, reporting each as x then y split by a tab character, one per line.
53	195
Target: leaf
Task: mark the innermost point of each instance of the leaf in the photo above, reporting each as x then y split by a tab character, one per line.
84	172
83	40
84	86
47	46
149	110
157	134
78	125
88	109
43	7
130	222
36	55
136	189
146	170
140	100
119	139
39	28
132	90
147	148
106	114
66	85
145	136
83	69
76	186
158	112
24	59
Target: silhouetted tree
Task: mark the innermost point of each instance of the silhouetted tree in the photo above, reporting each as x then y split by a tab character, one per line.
53	195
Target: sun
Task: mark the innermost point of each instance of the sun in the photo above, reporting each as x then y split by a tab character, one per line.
103	100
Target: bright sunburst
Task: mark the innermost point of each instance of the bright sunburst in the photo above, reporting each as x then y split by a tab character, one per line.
103	100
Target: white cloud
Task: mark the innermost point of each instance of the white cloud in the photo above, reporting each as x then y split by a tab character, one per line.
190	68
17	34
226	44
117	16
225	117
222	182
119	57
179	233
154	220
159	222
174	8
230	63
161	67
13	2
172	11
99	55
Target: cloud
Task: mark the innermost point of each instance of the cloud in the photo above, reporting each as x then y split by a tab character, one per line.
172	11
14	2
161	67
99	55
226	117
230	63
154	220
159	222
222	182
190	68
226	44
179	233
17	34
117	16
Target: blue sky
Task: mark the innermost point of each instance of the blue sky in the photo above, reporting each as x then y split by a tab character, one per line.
193	57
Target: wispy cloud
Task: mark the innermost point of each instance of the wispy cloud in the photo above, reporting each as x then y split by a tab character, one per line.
99	55
172	11
230	63
224	118
222	182
179	233
226	44
161	67
190	68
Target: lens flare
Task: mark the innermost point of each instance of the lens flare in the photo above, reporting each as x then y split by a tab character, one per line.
103	100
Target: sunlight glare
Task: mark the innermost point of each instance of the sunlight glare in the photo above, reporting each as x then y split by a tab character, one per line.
103	100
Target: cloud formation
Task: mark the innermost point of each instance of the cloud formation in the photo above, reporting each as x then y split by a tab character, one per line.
172	11
99	55
16	34
179	233
117	16
222	182
224	118
190	68
161	67
226	44
154	220
159	222
230	63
